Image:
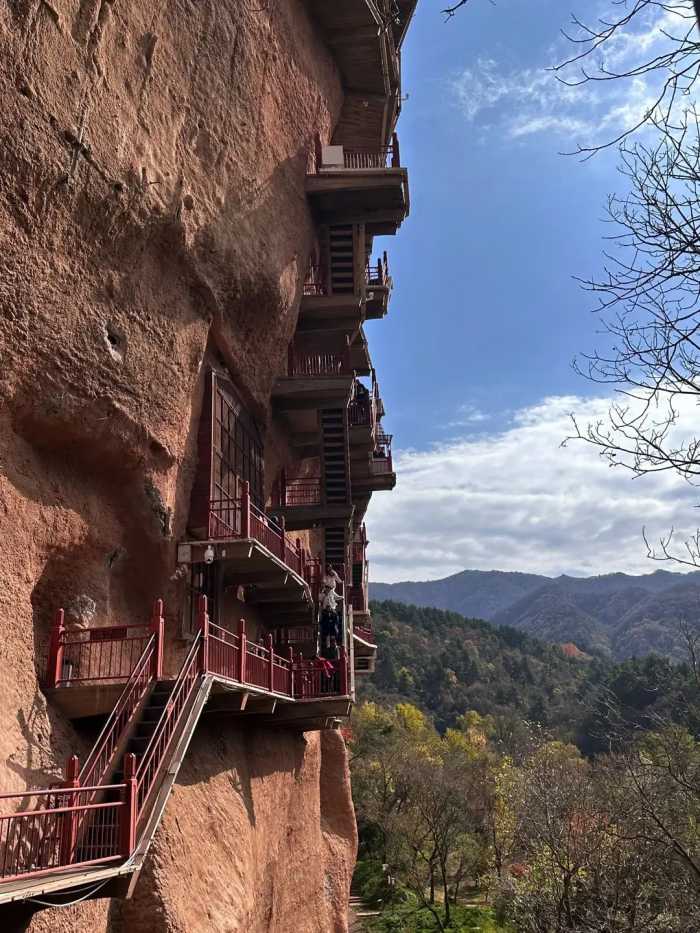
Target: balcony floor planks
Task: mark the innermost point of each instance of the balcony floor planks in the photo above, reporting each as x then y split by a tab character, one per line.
311	392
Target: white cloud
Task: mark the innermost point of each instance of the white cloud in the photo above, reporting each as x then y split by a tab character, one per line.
517	500
468	416
528	101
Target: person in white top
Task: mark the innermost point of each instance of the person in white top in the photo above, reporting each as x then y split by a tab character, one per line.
330	621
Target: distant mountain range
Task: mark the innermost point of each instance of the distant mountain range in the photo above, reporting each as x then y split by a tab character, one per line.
616	615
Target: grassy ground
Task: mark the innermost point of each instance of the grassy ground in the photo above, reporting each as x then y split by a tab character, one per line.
407	919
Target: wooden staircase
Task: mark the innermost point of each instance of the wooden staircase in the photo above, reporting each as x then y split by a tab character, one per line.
341	259
335	545
335	455
335	464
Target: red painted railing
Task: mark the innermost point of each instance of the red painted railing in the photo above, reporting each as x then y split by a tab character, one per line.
294	556
100	758
93	654
282	676
363	158
381	465
295	492
381	462
319	361
377	275
47	838
312	682
361	411
239	659
366	158
364	407
149	764
78	824
225	519
224	652
236	658
297	635
265	530
239	517
314	284
257	666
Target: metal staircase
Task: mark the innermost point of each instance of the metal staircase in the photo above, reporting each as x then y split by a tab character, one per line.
89	836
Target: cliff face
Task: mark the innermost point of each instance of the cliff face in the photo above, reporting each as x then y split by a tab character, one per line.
259	835
152	211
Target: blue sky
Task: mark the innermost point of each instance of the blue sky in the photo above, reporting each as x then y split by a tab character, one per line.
474	359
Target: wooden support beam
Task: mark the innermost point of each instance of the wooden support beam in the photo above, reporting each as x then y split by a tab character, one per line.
271	579
277	596
228	702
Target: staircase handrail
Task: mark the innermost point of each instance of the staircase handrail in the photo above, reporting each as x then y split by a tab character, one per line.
88	653
152	758
113	729
44	840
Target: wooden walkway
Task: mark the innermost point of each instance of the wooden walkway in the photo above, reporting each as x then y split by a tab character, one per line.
358	914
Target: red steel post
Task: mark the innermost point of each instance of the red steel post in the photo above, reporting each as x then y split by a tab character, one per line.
158	629
69	829
271	671
242	651
283	539
55	661
343	672
290	652
129	814
203	626
245	510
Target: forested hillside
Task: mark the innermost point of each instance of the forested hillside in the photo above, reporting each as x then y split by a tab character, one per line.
447	665
554	794
614	616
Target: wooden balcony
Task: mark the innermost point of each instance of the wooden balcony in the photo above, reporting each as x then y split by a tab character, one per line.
378	289
323	309
360	186
303	503
280	683
363	643
319	375
364	413
254	550
376	473
360	360
343	287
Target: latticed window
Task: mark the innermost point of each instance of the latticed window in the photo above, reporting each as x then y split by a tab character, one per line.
237	452
229	450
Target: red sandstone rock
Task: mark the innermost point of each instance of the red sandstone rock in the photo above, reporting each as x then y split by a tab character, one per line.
110	293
